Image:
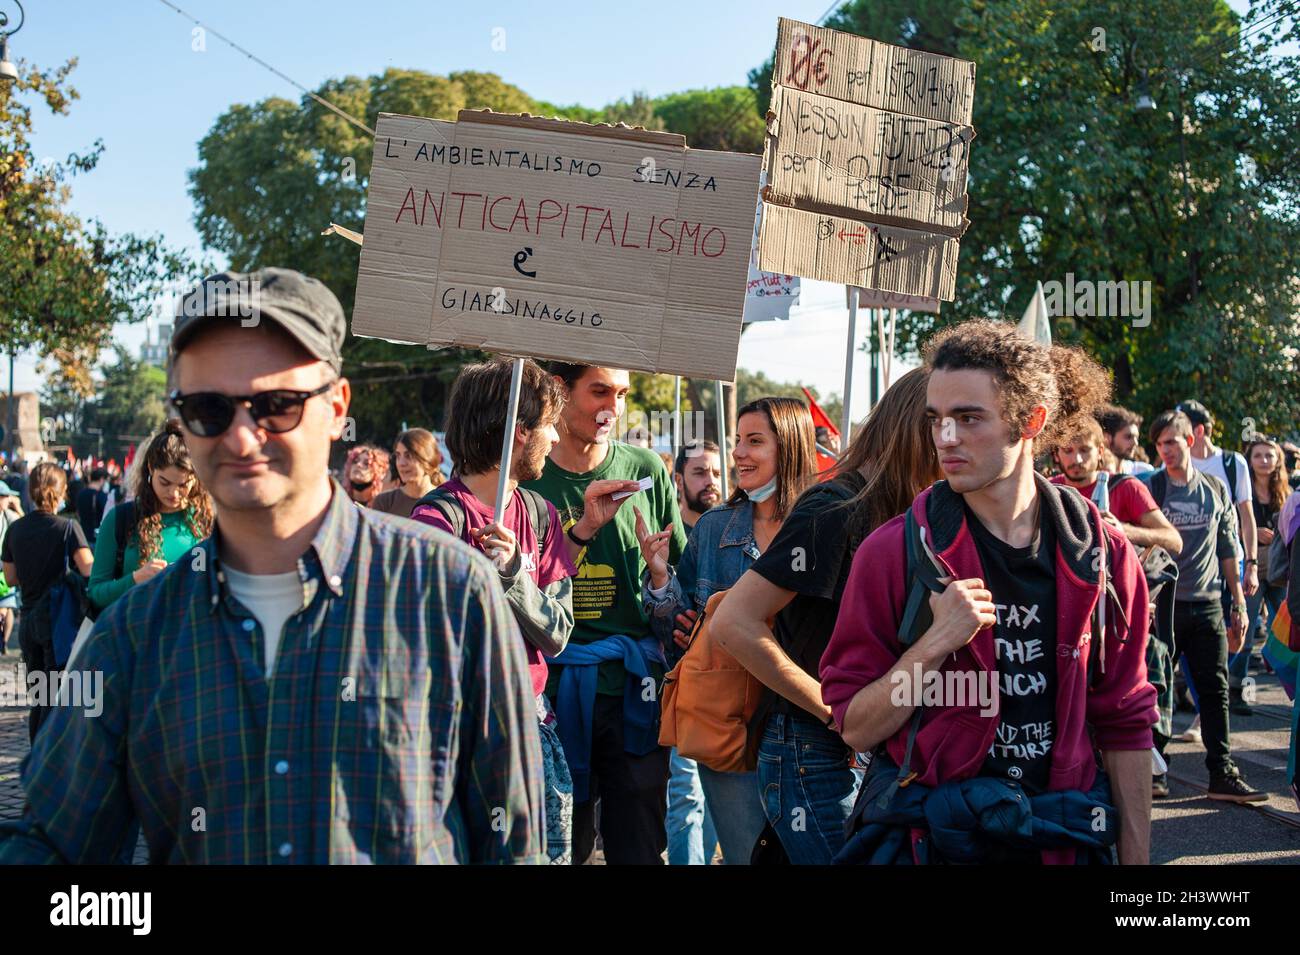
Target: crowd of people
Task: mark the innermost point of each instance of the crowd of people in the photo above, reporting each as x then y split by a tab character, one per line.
962	642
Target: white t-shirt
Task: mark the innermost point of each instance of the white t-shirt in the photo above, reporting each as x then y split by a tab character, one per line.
1241	493
1214	465
272	598
1134	467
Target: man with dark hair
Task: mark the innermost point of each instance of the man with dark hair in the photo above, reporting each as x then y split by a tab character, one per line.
1026	586
1121	428
91	500
1230	467
1197	505
697	474
605	683
320	683
527	544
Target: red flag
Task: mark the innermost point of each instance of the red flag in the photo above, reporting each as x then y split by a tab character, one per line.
71	457
130	456
820	420
824	461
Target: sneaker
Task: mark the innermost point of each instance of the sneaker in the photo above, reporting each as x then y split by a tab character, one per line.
1237	705
1160	786
1234	789
1193	733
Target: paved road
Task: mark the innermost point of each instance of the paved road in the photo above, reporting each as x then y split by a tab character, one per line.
1186	828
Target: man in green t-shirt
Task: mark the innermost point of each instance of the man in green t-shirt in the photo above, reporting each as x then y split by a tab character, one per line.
605	684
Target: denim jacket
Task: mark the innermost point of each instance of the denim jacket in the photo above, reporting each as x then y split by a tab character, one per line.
720	549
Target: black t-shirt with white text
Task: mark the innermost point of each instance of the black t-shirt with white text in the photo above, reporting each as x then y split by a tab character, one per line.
1022	581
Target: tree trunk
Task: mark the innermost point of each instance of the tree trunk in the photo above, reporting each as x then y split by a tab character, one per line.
1123	379
699	405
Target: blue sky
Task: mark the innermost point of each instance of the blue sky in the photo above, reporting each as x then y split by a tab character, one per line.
150	97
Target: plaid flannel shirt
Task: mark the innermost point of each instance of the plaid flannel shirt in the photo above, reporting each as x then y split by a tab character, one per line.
399	724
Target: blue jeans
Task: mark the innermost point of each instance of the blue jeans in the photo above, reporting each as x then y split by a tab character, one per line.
735	804
691	839
1272	597
808	787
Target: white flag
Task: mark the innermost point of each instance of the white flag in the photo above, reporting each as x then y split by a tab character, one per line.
1034	323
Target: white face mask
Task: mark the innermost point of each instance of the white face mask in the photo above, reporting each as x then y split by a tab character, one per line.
761	494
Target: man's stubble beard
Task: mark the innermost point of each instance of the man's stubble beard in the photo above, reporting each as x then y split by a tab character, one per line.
697	504
533	461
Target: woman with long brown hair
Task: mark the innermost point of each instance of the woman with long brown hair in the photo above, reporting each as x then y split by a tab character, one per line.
775	460
1270	486
168	513
799	581
419	466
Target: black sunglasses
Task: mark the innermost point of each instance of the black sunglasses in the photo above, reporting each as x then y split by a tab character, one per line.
209	413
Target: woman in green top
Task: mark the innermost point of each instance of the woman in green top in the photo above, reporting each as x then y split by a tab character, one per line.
168	514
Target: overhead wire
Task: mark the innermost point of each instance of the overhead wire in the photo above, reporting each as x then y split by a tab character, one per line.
267	66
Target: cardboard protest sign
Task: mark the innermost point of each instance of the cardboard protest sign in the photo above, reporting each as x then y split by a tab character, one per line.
875	139
874	298
890	166
860	70
768	295
837	249
605	245
399	259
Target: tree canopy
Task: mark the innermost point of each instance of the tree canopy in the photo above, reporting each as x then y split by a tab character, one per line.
1069	177
63	283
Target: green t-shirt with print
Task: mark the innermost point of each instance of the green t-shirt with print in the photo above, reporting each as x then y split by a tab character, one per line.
607	590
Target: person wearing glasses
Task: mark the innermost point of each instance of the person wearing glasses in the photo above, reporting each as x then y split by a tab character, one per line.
320	683
363	473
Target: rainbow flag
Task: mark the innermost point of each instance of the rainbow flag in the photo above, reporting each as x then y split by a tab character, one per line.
1281	657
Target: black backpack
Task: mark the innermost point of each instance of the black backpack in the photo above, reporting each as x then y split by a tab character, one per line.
1158	485
122	531
1279	561
125	519
539	515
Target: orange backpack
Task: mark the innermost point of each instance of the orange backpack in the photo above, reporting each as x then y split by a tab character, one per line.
708	701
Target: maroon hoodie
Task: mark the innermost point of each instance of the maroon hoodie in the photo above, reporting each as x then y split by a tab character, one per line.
953	742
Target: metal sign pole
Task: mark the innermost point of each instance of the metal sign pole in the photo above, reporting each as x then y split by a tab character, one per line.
846	415
508	439
677	417
722	438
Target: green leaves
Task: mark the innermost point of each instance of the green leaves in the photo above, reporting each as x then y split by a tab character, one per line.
1198	196
63	283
